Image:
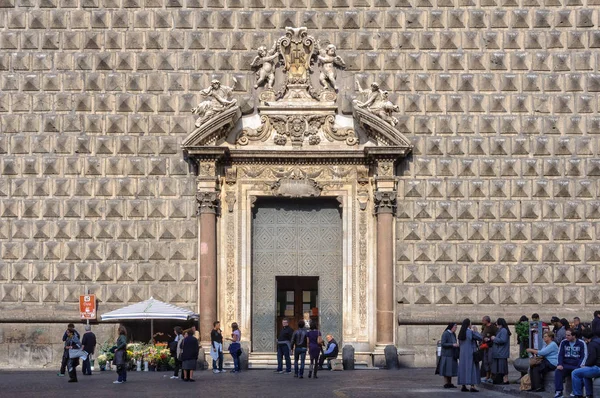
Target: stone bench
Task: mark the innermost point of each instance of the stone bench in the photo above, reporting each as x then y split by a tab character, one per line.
596	387
549	384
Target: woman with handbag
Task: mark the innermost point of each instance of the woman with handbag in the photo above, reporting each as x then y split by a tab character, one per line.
501	351
449	355
545	361
189	356
315	342
73	346
120	360
468	368
235	348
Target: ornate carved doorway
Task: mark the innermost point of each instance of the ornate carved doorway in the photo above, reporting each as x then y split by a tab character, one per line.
295	237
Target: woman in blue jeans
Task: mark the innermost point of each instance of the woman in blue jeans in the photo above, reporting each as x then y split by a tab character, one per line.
591	369
235	348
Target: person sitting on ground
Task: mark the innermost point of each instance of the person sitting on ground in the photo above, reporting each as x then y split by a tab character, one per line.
572	354
591	369
331	352
548	364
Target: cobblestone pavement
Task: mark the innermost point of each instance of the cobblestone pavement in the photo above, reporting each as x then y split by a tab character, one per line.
253	383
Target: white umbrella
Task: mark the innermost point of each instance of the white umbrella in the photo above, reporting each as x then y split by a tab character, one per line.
150	309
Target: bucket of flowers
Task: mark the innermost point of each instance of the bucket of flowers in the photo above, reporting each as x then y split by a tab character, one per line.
102	361
151	354
137	354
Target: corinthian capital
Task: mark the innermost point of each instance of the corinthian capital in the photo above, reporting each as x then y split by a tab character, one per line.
208	202
385	202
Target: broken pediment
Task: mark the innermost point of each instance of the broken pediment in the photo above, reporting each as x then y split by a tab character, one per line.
297	85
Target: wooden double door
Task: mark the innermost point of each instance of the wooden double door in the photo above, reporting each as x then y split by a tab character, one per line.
297	299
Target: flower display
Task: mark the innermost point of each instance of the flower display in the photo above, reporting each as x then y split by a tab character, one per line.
101	359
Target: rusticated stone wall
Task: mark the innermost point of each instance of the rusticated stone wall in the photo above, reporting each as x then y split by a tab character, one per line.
498	207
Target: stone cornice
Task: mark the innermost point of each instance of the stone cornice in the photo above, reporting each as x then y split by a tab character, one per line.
211	131
380	129
247	155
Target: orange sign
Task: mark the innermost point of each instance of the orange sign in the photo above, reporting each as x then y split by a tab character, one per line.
87	306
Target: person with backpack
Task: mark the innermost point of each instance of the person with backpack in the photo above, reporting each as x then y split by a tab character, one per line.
300	343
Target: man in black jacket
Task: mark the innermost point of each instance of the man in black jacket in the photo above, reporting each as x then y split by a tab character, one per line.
284	346
331	352
585	374
300	342
88	344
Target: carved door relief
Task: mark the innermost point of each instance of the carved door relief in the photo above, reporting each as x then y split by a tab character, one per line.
295	237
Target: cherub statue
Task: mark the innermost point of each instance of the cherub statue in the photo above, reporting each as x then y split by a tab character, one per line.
218	98
328	60
386	110
378	103
265	61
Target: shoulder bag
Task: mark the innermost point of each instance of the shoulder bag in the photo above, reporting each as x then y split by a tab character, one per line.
535	361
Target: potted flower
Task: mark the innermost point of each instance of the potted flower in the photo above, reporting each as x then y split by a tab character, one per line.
522	363
109	358
102	361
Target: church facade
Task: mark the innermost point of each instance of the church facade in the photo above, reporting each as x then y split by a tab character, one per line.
377	167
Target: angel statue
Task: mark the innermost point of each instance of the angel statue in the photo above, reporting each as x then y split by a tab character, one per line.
378	103
328	60
265	62
218	98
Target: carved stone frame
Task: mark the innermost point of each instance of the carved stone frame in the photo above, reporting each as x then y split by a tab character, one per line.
357	327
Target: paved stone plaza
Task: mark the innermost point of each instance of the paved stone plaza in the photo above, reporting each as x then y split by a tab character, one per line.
420	160
416	382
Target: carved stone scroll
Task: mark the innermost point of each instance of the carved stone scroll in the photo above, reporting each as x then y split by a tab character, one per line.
296	188
338	134
262	133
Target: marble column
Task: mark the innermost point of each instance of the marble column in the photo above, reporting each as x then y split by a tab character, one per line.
207	208
385	204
